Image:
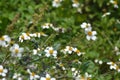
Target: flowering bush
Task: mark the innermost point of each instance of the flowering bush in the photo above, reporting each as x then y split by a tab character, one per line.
59	40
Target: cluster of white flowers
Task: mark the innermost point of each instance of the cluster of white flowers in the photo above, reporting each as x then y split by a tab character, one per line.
56	3
76	74
114	66
71	50
98	61
115	3
16	51
49	51
88	31
49	25
28	36
3	72
106	14
5	41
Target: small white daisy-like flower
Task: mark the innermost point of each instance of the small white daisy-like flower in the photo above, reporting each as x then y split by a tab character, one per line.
75	3
35	51
68	49
47	25
115	3
112	65
91	35
24	36
56	3
86	26
17	76
33	76
117	50
106	14
77	51
16	51
5	40
3	71
50	51
47	77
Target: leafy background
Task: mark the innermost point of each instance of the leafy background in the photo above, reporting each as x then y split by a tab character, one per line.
16	17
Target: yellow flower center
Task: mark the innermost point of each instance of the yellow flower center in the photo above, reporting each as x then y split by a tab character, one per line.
57	1
51	51
16	50
33	74
27	33
70	48
112	63
77	51
2	38
1	70
42	33
61	65
90	33
115	2
47	78
75	1
22	37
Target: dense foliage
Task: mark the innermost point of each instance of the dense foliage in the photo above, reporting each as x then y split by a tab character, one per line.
64	39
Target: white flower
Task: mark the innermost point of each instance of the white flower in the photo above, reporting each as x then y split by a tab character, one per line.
16	51
24	36
73	69
100	62
115	3
56	3
117	50
48	77
86	26
17	76
47	25
68	49
77	51
50	51
91	35
75	3
3	71
5	40
33	76
106	14
112	65
35	51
